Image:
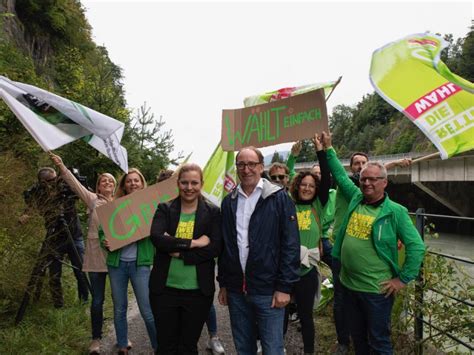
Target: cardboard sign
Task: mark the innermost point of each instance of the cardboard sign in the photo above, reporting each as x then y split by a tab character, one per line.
280	121
129	218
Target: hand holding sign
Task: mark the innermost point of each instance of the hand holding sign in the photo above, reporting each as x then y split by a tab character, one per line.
317	142
326	140
128	218
276	122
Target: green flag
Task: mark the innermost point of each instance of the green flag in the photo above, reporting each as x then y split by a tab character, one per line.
290	91
219	175
409	75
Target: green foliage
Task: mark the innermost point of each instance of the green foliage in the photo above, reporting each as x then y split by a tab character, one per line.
147	144
277	158
465	66
60	22
308	152
46	330
17	66
59	56
443	279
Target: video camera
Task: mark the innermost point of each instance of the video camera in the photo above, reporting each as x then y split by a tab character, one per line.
38	191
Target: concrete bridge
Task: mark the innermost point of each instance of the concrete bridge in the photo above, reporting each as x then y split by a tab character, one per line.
447	181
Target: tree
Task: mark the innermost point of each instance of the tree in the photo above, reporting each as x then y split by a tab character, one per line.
148	144
308	153
466	62
277	158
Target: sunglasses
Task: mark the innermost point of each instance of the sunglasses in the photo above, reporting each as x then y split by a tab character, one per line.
278	177
50	180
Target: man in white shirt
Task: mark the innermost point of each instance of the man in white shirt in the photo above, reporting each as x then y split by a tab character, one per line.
261	256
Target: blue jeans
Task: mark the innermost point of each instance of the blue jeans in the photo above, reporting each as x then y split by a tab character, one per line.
97	280
139	276
247	312
211	321
369	321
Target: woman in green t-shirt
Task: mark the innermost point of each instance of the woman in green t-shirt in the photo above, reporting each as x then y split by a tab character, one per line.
186	235
310	194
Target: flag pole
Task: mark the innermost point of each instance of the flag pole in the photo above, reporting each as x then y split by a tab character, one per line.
335	84
426	157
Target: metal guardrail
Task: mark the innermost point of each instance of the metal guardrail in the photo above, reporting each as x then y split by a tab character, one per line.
419	292
381	158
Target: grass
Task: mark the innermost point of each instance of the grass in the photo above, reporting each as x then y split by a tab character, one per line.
325	330
46	330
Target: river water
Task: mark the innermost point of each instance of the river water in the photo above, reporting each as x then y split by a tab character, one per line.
461	246
458	245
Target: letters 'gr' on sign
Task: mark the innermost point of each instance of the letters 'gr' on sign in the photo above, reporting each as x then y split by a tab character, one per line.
280	121
129	218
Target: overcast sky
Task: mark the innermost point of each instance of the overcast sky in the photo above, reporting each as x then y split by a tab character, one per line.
190	60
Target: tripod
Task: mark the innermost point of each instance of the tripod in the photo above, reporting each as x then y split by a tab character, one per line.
44	260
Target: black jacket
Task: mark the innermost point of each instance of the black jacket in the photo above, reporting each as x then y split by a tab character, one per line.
207	222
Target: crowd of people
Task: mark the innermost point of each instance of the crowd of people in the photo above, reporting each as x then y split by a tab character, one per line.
268	237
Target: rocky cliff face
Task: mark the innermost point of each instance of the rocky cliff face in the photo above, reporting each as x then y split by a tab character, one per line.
34	45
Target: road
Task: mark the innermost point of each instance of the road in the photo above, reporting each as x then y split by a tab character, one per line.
141	345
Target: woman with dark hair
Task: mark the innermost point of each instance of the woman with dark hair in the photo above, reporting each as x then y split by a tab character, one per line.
131	262
310	195
186	235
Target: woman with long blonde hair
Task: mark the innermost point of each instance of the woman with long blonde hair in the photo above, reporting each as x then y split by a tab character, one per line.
94	256
131	263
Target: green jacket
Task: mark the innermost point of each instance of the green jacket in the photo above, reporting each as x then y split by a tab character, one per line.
290	163
328	213
145	252
392	223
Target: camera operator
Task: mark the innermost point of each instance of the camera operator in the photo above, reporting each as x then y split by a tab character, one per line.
55	202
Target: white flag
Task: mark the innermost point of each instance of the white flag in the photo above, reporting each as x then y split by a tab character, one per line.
54	121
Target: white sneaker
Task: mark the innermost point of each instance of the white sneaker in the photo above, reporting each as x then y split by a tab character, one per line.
215	345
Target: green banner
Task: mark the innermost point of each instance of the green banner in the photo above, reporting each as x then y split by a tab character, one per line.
409	75
219	175
290	91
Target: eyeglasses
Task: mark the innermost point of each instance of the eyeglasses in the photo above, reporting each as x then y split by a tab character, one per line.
251	165
370	179
278	177
308	186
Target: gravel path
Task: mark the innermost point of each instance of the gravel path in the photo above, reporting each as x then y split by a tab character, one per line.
141	345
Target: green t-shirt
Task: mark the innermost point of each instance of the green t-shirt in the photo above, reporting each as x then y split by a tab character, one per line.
309	231
362	268
180	275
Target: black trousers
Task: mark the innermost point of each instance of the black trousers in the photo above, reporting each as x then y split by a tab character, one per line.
179	318
305	291
52	252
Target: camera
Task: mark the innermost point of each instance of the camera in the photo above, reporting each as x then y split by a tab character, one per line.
82	179
55	197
